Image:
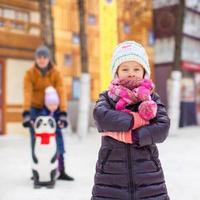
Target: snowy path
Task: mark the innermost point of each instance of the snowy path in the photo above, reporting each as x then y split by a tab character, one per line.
178	154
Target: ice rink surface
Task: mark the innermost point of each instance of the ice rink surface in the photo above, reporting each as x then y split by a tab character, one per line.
179	154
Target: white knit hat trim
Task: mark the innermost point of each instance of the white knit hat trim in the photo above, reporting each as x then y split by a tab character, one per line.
137	45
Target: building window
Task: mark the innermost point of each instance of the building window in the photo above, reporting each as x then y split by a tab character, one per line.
127	28
1	12
9	14
22	16
150	37
17	26
52	2
14	19
67	60
109	1
75	38
91	20
1	24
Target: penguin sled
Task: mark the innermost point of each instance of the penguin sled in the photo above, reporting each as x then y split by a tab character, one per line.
44	158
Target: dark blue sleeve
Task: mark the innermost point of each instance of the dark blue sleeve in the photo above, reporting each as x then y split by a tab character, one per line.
56	115
157	130
44	112
108	119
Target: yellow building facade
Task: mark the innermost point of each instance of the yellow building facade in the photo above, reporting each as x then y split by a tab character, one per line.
67	42
133	22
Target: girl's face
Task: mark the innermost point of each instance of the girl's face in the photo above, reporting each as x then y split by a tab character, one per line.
130	70
42	61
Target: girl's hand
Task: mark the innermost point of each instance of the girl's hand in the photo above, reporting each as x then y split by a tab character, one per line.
62	124
27	120
62	120
125	137
138	121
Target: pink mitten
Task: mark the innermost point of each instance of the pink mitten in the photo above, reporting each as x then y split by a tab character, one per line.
147	110
125	137
138	120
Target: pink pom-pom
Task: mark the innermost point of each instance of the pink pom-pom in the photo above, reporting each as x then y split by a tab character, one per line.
143	93
147	110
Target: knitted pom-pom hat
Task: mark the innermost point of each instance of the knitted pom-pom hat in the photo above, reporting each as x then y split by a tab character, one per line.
42	51
51	96
130	51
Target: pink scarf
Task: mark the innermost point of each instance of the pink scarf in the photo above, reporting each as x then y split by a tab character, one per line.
126	92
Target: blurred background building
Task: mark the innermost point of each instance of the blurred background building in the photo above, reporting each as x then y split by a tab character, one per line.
66	24
25	24
165	22
22	28
176	48
20	34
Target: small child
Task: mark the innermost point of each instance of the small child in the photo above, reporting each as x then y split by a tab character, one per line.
131	119
51	109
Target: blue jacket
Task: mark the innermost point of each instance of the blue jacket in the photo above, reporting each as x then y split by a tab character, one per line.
46	112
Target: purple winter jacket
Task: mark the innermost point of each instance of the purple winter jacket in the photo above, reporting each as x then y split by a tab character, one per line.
129	171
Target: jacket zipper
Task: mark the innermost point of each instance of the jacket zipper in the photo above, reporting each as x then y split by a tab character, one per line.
131	175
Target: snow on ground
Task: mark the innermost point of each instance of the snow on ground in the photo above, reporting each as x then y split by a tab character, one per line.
179	156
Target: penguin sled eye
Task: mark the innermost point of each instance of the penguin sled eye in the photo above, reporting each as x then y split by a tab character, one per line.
39	122
51	123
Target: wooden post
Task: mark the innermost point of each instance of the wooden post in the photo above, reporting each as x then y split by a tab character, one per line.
174	83
83	38
179	36
84	102
47	26
2	97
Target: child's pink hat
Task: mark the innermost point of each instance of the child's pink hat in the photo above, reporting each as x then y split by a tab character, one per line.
51	96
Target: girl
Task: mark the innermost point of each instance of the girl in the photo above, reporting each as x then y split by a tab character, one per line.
128	167
41	75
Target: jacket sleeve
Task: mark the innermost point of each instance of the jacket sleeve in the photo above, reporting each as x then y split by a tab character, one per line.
157	130
28	89
59	85
108	119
